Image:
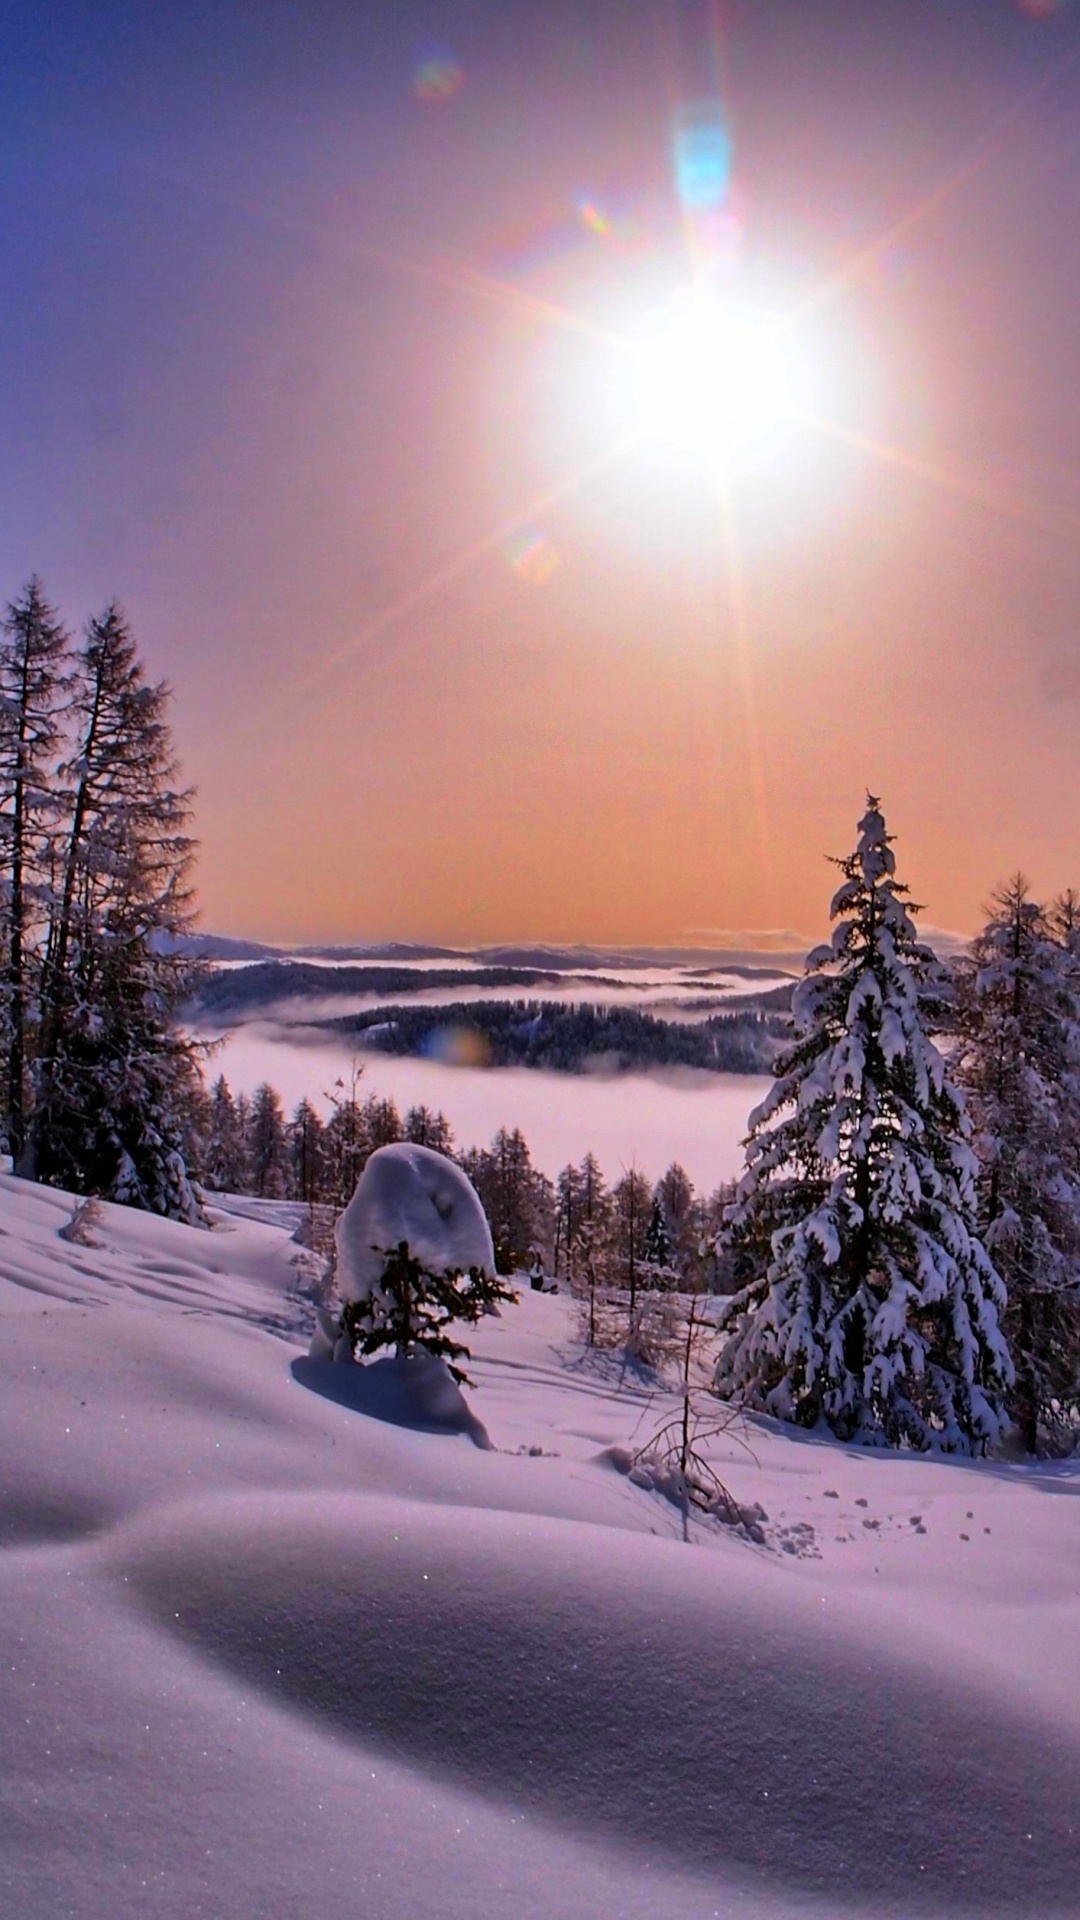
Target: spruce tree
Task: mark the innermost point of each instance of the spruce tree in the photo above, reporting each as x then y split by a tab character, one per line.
1019	1062
115	1072
872	1303
412	1308
33	657
658	1254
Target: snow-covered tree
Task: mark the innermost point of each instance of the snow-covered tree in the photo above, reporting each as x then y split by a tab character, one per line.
1019	1062
415	1257
115	1070
33	658
658	1254
872	1304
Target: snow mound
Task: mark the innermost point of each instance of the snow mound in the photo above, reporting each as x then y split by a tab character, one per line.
416	1392
413	1194
630	1694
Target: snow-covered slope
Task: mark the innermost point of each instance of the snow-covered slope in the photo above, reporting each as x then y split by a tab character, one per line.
264	1656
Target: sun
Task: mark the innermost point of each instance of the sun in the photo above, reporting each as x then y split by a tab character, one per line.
715	377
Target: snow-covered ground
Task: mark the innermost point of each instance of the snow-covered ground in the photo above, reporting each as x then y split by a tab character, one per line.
627	1119
264	1656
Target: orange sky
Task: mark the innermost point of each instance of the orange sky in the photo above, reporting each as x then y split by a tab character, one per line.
249	414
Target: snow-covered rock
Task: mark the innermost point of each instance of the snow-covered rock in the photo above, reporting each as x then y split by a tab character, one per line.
413	1194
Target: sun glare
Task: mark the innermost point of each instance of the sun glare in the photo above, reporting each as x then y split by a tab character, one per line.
714	377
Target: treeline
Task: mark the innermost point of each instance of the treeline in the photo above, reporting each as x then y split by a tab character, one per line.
94	899
577	1228
906	1234
268	983
573	1039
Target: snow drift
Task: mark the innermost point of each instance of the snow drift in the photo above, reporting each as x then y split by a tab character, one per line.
265	1655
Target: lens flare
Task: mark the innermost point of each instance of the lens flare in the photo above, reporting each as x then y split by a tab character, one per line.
590	216
713	375
438	77
702	155
712	213
458	1047
532	556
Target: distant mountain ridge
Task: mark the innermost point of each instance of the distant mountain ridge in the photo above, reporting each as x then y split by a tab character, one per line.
754	962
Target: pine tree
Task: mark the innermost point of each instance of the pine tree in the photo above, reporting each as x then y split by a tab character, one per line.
427	1129
226	1158
588	1211
513	1197
194	1112
872	1305
305	1149
412	1308
658	1254
115	1073
631	1211
266	1144
595	1198
33	658
381	1122
1019	1062
684	1218
346	1146
568	1217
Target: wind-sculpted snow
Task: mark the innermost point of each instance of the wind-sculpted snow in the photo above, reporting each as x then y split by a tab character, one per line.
266	1657
659	1698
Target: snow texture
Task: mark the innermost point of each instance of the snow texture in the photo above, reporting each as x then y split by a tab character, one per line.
265	1656
416	1391
410	1193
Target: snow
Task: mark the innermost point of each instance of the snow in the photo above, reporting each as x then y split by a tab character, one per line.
643	1120
418	1391
410	1193
265	1654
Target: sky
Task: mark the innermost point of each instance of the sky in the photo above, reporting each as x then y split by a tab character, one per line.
314	325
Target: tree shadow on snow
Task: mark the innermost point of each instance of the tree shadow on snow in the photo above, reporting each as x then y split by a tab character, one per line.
419	1393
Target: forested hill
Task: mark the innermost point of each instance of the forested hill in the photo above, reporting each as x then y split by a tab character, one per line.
570	1039
240	990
